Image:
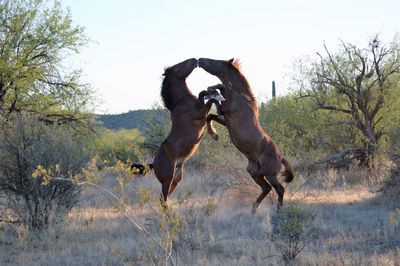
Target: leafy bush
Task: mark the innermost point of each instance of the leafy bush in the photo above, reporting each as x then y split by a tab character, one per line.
292	231
29	148
123	145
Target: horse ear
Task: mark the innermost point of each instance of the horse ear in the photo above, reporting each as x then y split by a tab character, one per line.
165	71
231	60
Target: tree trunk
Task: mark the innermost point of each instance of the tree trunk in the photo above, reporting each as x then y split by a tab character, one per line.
2	94
370	151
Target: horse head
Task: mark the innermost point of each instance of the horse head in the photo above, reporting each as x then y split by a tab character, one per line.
182	69
228	71
213	94
174	86
217	68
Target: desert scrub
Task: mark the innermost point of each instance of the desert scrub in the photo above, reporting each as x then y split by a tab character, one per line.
144	212
31	151
196	237
291	231
184	229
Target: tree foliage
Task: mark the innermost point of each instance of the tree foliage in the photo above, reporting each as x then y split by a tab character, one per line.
36	39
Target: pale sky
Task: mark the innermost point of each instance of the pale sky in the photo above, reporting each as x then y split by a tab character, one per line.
133	41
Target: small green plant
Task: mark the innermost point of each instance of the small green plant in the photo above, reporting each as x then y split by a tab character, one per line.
23	234
182	230
145	196
292	230
394	218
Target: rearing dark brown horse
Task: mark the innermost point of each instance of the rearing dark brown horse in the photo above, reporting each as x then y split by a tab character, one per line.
241	119
188	116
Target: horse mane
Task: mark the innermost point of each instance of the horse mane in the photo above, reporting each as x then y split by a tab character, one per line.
166	94
170	95
236	65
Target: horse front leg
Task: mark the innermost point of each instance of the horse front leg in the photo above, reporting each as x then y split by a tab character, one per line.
210	129
217	106
222	88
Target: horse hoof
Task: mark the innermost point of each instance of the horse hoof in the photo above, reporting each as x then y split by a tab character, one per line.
163	203
215	137
253	210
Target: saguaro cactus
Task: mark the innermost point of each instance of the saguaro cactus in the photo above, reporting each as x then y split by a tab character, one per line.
273	89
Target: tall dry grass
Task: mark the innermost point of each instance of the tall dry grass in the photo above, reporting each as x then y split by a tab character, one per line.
216	227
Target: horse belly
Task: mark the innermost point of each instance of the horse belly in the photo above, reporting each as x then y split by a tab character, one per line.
185	146
246	143
187	153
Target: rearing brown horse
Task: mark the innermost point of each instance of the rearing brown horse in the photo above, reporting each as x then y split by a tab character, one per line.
188	116
241	119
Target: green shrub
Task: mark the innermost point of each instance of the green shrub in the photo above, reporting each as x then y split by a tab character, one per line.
158	126
302	131
292	230
26	145
123	145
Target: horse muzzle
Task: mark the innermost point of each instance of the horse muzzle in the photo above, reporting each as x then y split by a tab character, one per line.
217	97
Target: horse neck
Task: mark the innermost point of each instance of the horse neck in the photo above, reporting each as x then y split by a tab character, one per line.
238	83
179	89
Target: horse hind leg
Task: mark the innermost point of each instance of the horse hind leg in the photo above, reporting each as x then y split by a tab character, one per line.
280	190
266	188
177	178
166	186
164	168
252	169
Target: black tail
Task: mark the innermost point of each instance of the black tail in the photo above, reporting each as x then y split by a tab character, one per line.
140	169
136	168
288	173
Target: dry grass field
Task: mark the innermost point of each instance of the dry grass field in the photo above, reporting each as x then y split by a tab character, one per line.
213	226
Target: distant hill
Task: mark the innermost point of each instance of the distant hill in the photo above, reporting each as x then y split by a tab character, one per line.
132	119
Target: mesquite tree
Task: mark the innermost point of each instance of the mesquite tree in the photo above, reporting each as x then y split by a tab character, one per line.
37	88
359	83
36	38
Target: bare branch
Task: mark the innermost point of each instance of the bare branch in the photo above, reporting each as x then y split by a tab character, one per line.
339	155
335	108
